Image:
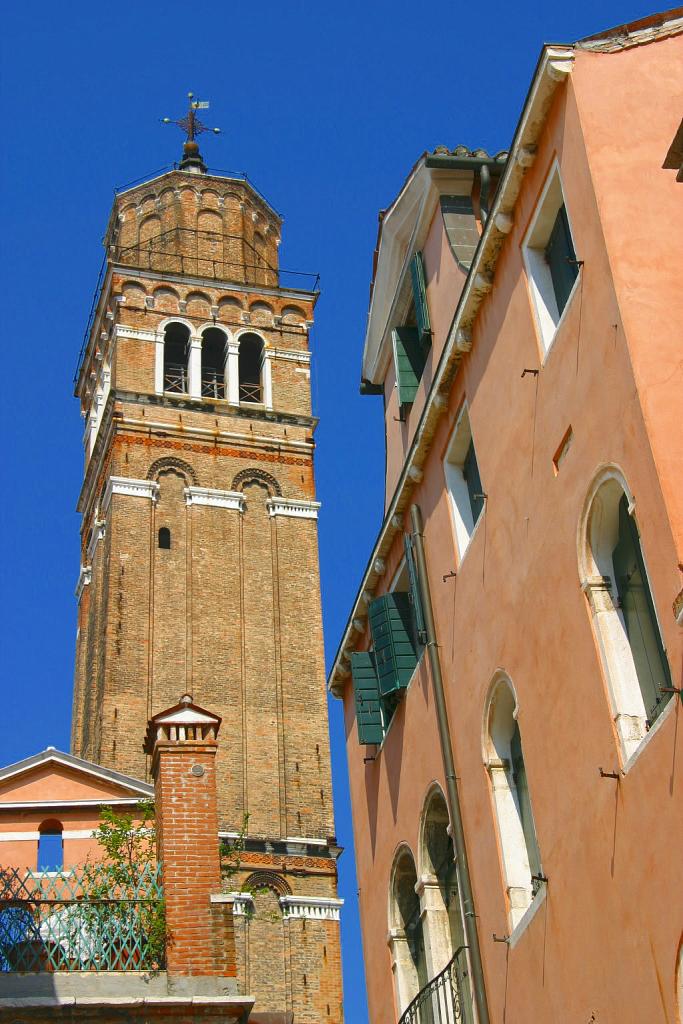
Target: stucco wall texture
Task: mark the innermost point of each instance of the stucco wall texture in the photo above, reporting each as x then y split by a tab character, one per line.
604	943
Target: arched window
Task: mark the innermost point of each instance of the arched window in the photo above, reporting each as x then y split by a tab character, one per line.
165	538
408	961
437	888
176	355
512	802
250	367
50	847
213	363
615	581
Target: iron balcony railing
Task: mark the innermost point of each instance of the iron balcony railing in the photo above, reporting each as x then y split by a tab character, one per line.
213	384
92	918
445	999
175	379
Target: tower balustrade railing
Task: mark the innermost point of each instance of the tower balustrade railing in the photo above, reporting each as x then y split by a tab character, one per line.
94	917
213	384
443	1000
175	378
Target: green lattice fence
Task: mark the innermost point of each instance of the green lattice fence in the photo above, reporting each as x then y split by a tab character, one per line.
92	918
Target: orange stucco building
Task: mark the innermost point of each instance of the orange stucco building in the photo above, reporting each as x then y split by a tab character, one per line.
61	796
511	667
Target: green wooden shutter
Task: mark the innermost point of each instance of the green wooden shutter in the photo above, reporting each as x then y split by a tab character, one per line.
368	701
558	253
414	592
417	276
395	650
524	802
470	471
409	360
640	620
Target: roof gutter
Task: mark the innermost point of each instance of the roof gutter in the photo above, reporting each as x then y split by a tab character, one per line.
554	67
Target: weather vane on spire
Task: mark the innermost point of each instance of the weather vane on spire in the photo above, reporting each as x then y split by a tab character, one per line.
192	126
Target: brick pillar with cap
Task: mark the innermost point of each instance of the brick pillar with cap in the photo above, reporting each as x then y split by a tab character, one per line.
182	742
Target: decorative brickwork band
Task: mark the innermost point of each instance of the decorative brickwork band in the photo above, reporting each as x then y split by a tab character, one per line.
314	908
182	743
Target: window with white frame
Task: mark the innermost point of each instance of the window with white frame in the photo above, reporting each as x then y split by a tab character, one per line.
463	482
550	258
615	581
511	799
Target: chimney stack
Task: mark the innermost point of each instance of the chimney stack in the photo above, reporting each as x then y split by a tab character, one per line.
182	742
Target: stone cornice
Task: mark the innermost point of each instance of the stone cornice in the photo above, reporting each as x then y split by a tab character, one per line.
293	507
316	908
129	487
84	579
215	498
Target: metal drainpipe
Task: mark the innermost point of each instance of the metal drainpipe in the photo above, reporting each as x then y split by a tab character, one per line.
449	771
484	186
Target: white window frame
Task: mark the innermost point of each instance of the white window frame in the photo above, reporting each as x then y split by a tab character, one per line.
464	526
546	313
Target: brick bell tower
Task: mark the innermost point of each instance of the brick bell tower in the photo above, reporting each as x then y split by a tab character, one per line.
199	567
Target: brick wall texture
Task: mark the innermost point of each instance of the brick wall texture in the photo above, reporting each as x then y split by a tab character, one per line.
231	612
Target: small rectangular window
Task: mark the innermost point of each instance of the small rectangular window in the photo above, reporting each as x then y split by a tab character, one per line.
50	851
463	481
561	259
550	258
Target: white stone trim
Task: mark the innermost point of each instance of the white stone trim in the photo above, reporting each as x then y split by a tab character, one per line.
98	532
217	499
316	908
288	354
84	579
293	508
67	833
267	378
134	333
242	902
130	487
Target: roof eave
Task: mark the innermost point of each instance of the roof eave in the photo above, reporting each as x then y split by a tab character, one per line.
554	66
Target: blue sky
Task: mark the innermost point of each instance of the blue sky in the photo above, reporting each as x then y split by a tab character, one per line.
327	107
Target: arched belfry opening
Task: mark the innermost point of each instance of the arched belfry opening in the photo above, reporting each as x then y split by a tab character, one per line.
251	368
176	358
213	363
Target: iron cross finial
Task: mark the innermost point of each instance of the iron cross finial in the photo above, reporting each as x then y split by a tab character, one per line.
192	126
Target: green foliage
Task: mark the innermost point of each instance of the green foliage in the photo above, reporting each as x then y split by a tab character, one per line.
231	861
123	883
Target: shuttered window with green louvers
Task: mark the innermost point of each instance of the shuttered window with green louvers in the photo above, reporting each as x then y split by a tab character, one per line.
369	718
417	276
394	644
414	594
561	259
409	362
